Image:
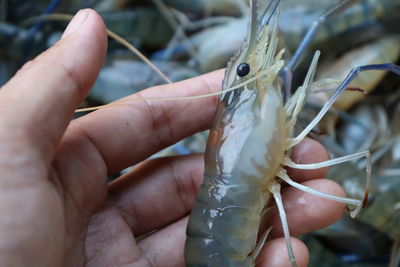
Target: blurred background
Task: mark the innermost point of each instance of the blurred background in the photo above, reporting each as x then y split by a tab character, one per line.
186	38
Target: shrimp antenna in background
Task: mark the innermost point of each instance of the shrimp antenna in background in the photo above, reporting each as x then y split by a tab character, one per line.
111	34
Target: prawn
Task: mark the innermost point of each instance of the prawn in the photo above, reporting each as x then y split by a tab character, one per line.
249	146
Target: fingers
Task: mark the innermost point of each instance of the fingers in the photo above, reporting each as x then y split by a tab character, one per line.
130	132
158	192
163	190
37	103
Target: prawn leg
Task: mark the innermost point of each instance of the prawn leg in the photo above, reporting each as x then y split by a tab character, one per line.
260	245
286	72
359	204
275	189
350	77
295	103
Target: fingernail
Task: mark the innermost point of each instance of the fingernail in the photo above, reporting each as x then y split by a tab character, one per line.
75	23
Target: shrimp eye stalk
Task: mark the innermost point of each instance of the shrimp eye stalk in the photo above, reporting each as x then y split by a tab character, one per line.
243	69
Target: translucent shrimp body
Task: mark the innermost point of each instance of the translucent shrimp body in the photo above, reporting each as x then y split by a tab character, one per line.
245	149
224	224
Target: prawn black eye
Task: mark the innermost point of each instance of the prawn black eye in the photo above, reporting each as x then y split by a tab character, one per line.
243	69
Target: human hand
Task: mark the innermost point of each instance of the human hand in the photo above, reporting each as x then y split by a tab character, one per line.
55	204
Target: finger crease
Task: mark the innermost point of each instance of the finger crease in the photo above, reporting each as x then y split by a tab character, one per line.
179	185
86	136
77	84
154	120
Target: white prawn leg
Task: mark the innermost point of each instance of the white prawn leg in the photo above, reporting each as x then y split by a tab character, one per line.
359	204
275	189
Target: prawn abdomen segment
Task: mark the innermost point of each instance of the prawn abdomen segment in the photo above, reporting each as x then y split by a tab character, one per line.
223	226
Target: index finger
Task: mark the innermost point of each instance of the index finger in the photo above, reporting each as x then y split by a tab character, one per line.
132	131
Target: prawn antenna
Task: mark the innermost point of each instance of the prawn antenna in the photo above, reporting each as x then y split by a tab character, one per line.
268	71
268	13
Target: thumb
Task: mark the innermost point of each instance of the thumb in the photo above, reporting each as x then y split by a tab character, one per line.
36	105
